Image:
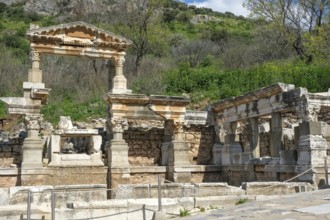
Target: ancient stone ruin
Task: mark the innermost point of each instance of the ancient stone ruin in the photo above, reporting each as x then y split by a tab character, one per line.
271	134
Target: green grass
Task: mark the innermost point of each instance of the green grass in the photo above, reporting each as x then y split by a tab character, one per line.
184	212
241	201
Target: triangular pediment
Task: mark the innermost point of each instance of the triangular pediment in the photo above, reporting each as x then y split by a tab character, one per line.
77	34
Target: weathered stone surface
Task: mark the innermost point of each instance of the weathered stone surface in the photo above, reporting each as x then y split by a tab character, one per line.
275	188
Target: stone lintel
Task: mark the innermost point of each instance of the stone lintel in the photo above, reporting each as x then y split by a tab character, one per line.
253	96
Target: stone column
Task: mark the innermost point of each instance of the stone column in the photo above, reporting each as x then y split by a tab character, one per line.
254	137
32	145
119	82
168	134
232	150
35	74
118	165
178	156
276	134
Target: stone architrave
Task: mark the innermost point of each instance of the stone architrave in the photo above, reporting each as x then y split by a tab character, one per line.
32	145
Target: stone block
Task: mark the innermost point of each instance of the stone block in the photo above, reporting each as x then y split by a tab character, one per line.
216	154
310	128
311	150
274	188
288	157
178	154
32	153
4	198
97	142
217	189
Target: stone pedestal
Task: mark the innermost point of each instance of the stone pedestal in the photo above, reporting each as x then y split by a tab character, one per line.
178	157
230	153
216	154
118	154
178	153
32	153
288	157
311	150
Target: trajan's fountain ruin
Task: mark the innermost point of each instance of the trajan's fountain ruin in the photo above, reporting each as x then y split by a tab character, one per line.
271	134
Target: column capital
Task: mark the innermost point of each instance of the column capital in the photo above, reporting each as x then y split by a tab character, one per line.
32	122
118	125
119	61
34	55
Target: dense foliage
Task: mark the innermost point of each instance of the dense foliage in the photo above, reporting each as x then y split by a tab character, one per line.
178	50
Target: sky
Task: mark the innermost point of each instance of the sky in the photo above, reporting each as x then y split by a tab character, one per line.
234	6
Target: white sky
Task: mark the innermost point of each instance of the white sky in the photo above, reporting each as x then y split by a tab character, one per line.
233	6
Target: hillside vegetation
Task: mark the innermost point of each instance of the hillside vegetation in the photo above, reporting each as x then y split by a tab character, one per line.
177	50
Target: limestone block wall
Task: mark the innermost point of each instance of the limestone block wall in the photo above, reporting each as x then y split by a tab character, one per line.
10	152
324	115
200	140
144	146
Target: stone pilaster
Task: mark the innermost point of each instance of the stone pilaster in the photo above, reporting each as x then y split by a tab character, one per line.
254	137
32	145
276	134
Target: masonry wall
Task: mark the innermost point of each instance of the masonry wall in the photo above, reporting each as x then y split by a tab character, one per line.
324	115
10	152
144	146
200	140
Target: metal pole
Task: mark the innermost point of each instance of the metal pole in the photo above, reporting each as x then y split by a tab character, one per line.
53	204
28	212
159	195
326	170
144	211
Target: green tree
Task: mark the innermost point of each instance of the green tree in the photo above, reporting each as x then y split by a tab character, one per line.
137	20
296	22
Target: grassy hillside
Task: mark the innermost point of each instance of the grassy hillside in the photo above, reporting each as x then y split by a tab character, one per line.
193	51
